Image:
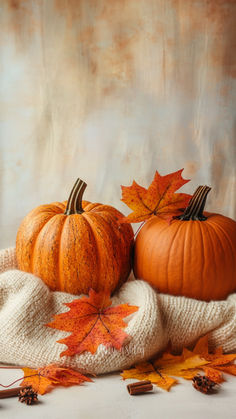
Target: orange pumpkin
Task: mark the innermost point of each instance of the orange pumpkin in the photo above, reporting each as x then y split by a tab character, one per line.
76	245
194	256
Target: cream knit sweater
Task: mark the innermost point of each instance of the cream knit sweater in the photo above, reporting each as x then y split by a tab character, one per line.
26	305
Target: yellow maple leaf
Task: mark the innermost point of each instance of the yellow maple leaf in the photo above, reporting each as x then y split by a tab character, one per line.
185	368
161	370
147	371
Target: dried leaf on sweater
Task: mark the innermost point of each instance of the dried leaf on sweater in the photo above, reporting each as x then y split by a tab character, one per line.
191	362
159	199
44	379
92	322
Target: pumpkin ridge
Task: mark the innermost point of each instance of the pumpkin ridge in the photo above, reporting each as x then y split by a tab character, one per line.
216	237
142	256
124	241
183	262
171	247
115	267
34	243
103	208
45	255
226	235
99	265
202	283
45	208
231	246
92	225
59	256
120	241
25	240
212	240
59	206
127	248
90	206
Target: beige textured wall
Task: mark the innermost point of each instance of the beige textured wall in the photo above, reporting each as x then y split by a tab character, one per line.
110	91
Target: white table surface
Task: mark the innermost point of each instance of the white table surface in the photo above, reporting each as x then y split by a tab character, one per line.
107	397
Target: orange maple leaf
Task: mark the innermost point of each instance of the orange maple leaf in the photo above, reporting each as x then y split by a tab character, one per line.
147	371
44	379
161	370
218	362
159	199
92	322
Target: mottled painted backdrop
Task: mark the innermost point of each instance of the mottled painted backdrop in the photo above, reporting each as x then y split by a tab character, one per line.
110	90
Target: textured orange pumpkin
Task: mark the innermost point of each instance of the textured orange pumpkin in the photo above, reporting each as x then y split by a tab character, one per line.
194	256
76	246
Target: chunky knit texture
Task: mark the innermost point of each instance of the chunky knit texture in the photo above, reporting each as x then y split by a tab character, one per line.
26	305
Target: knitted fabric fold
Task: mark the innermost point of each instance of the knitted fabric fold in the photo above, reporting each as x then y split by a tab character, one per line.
26	305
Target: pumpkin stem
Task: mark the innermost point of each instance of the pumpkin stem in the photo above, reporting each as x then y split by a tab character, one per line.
195	208
74	203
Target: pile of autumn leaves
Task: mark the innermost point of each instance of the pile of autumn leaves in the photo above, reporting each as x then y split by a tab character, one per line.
93	321
160	371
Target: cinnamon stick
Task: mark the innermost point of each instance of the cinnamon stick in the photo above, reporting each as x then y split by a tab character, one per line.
140	387
10	392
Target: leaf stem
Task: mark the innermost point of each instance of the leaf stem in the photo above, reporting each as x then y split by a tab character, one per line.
13	367
156	370
19	379
139	229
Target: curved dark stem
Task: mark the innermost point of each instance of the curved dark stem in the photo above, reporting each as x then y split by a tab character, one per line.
196	206
74	203
19	379
139	229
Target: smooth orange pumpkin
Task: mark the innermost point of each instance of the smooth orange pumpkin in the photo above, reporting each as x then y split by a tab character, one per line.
194	256
76	245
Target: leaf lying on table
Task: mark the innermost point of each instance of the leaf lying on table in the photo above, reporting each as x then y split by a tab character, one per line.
218	361
159	199
147	371
161	370
92	322
44	379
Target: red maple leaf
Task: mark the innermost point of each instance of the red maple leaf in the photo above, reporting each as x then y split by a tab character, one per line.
92	322
159	199
44	379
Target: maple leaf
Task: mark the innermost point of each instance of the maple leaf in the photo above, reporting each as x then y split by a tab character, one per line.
159	199
218	362
92	322
147	371
186	365
159	371
43	379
